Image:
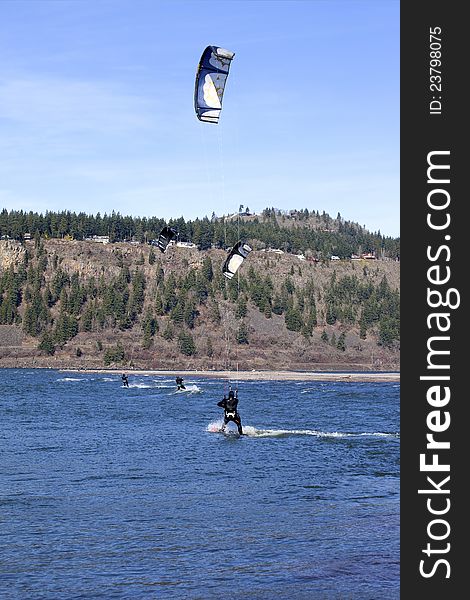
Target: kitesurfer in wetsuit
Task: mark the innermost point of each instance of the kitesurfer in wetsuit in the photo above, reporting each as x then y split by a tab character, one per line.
125	383
231	413
179	383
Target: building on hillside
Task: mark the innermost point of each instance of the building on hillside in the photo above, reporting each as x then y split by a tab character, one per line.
100	239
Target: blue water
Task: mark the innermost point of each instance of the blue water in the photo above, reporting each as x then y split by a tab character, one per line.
108	492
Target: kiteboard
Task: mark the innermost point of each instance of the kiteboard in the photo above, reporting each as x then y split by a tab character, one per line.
230	433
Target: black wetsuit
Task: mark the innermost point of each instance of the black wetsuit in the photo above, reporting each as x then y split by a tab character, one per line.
179	383
231	414
125	383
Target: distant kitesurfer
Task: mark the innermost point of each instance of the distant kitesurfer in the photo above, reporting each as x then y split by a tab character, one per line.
125	382
179	383
231	413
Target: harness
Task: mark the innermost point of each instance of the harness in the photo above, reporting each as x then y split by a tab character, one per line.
230	414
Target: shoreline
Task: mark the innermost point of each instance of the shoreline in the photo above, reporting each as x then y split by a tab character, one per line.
352	376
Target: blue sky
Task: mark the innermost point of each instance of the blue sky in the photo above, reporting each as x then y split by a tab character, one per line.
96	108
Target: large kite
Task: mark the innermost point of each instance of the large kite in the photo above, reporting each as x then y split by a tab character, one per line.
211	77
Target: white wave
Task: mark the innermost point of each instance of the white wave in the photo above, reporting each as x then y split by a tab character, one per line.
215	426
140	385
189	389
72	379
250	431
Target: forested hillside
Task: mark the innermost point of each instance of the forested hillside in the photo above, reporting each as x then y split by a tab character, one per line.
75	303
294	231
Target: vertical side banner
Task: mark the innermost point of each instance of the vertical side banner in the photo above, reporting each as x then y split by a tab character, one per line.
435	234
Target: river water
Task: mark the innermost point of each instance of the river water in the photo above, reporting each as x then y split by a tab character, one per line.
113	492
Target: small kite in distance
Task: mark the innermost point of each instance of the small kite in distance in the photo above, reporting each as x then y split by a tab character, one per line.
235	258
167	234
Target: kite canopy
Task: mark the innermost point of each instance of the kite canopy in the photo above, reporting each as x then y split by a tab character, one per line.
235	258
211	77
166	235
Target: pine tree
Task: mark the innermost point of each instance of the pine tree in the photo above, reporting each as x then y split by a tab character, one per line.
233	290
177	314
64	300
48	299
293	319
149	324
168	332
66	327
86	321
202	289
279	304
214	313
59	280
138	293
207	270
307	328
76	296
186	344
190	314
289	285
388	331
331	314
341	345
362	329
159	306
46	344
126	321
169	296
100	317
114	354
242	308
242	334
